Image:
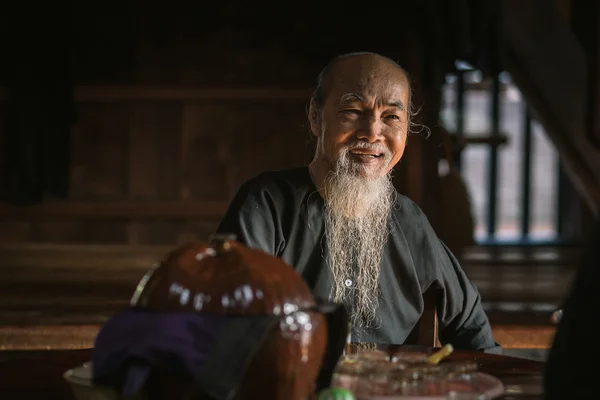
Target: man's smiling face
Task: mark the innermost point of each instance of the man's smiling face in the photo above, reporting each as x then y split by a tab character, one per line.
364	117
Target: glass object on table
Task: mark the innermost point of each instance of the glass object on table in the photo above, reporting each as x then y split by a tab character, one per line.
420	380
410	357
453	395
378	378
373	355
462	385
454	368
347	374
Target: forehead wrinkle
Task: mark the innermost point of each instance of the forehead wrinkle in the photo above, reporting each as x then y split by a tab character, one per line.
353	96
398	104
374	86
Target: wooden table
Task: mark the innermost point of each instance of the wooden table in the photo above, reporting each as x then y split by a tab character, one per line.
38	375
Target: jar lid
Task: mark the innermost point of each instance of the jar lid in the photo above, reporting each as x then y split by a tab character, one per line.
223	277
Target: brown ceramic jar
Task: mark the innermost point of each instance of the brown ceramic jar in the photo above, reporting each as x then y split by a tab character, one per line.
226	278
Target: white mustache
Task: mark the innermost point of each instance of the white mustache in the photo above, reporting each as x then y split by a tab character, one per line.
377	148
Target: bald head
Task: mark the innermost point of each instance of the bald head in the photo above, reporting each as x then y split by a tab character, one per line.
360	68
362	99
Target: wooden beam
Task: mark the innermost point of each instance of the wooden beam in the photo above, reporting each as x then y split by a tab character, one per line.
124	210
521	255
73	289
93	259
71	337
114	93
585	19
63	337
555	87
524	337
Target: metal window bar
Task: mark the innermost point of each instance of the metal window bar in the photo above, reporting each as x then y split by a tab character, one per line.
526	168
562	199
460	112
526	175
493	160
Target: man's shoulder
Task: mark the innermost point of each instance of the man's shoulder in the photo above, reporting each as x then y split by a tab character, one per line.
406	209
277	181
410	219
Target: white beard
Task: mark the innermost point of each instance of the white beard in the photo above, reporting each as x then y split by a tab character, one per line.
356	228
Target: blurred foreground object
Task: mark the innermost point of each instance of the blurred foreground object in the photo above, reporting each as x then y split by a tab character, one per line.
217	321
568	371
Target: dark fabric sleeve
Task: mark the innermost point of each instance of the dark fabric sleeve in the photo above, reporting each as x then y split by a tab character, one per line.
252	217
463	322
569	370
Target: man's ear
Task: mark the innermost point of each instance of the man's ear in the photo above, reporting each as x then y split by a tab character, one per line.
314	118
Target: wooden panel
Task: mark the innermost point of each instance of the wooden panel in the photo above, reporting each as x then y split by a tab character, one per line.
171	232
100	148
102	41
205	151
3	154
154	232
240	52
15	231
63	337
81	285
275	63
164	93
79	232
522	256
154	156
171	37
197	230
524	337
82	337
95	259
124	210
268	137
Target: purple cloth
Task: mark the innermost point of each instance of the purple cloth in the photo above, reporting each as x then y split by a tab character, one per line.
134	341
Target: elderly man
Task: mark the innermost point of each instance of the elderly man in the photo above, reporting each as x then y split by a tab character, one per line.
343	226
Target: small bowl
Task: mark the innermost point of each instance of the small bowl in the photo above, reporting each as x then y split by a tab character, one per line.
80	379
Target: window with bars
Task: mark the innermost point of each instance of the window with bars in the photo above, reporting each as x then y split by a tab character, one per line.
510	166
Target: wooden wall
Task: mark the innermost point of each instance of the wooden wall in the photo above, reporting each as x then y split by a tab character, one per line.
162	168
176	106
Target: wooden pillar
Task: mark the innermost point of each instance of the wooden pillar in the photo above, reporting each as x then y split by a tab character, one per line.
417	175
585	23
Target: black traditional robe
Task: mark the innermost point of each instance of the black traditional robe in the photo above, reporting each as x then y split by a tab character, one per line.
571	367
282	213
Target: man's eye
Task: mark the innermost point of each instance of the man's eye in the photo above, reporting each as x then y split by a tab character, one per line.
351	111
393	116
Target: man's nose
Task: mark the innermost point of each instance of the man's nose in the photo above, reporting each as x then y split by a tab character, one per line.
370	130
